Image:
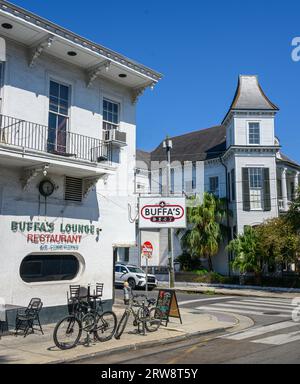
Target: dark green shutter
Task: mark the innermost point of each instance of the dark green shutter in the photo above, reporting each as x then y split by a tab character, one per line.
233	185
228	188
267	194
246	189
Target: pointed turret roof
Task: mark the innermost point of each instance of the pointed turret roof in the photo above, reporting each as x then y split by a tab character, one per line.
250	96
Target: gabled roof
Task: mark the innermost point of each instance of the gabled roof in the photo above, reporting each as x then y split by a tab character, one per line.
195	146
250	96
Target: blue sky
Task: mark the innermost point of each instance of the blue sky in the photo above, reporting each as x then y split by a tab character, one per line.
201	47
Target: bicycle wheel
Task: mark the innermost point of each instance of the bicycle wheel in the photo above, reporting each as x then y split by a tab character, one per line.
67	333
106	326
121	326
153	319
89	322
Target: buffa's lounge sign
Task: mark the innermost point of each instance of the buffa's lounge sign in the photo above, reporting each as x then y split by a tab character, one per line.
50	234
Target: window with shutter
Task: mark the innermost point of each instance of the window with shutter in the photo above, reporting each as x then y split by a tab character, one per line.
246	189
267	193
233	193
256	188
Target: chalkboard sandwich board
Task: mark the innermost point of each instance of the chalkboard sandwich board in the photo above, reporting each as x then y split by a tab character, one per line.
168	305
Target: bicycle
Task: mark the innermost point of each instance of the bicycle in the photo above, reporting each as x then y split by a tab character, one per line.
148	316
85	316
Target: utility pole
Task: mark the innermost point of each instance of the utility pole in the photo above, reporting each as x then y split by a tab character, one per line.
168	145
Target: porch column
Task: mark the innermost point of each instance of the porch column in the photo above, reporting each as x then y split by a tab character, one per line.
296	184
284	189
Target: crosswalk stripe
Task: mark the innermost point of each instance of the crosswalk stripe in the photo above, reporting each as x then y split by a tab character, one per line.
251	307
283	338
260	331
268	307
215	309
275	301
205	299
267	304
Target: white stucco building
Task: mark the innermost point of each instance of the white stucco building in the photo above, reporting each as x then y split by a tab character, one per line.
67	159
240	159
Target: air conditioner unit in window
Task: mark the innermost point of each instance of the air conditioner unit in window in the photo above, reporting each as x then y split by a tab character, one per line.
115	136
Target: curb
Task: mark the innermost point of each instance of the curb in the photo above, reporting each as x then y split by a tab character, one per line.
137	346
235	291
237	287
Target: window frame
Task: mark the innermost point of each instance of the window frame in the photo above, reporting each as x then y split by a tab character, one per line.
58	114
251	135
257	186
194	175
106	121
217	189
172	181
160	181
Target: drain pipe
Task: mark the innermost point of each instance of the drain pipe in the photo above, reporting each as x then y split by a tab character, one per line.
227	211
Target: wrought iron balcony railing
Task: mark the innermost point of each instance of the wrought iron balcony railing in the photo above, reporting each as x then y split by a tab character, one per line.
58	141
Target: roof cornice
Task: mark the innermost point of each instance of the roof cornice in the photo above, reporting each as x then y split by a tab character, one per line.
48	26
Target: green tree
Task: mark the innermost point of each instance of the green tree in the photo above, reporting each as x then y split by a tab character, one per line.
246	254
205	227
278	241
293	215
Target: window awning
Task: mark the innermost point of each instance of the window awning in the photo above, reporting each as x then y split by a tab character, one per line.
2	49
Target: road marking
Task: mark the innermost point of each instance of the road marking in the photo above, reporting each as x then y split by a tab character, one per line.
268	304
251	307
274	301
260	331
283	338
206	299
215	309
267	307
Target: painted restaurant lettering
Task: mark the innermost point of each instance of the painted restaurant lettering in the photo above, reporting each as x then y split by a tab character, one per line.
49	237
64	239
47	227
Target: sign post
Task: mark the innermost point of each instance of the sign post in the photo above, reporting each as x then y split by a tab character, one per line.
147	252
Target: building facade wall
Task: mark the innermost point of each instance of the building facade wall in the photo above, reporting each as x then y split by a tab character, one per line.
26	96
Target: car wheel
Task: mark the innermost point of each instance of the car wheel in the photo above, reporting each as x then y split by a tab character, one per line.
132	283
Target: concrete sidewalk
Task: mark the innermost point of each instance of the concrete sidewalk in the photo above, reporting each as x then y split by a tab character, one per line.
38	349
234	290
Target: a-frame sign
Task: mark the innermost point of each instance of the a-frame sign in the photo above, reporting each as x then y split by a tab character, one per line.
168	305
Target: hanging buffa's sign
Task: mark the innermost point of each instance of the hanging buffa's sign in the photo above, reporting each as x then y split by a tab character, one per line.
54	236
162	213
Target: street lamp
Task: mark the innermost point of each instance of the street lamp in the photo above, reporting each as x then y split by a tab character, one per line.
168	145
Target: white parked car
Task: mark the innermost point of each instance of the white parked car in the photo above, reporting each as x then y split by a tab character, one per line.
135	276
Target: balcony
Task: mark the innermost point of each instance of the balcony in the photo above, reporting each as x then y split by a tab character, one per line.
25	135
112	135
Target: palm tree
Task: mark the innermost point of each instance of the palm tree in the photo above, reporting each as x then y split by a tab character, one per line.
205	227
246	251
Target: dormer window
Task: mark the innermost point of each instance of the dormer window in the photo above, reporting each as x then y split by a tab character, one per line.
254	133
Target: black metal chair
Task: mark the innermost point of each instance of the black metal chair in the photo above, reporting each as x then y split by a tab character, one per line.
73	298
99	289
99	294
25	320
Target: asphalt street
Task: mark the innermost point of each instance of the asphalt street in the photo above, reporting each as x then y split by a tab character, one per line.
274	338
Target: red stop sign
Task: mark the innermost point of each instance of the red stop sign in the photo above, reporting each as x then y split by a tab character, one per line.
147	249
